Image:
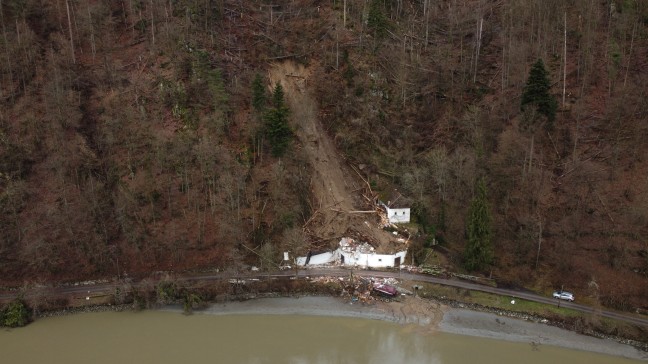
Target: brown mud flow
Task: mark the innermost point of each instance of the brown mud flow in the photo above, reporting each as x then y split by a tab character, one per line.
334	184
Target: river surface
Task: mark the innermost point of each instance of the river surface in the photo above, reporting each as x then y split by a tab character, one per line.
170	337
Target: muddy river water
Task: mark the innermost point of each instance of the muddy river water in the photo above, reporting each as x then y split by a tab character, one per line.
170	337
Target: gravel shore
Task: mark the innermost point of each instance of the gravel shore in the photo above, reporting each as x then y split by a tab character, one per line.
433	317
489	325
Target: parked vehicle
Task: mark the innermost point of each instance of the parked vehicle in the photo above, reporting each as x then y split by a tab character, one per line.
562	295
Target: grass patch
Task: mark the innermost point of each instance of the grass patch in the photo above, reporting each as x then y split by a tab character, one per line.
497	301
536	308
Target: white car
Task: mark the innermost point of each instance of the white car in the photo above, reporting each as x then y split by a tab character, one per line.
562	295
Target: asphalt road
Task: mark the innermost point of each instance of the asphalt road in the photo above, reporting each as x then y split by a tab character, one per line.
108	288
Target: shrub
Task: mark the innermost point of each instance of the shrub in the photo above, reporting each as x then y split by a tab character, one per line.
17	314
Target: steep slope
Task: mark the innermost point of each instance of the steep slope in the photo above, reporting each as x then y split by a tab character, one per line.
336	188
128	141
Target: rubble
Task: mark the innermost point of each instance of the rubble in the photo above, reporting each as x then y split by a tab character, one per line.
354	253
384	219
362	289
434	270
349	245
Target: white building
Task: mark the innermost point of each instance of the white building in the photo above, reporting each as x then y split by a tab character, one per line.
396	216
353	255
319	259
372	260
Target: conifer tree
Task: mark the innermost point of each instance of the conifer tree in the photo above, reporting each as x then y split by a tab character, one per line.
376	19
258	93
278	101
536	92
276	123
478	253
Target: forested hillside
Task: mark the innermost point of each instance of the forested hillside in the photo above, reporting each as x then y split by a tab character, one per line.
147	135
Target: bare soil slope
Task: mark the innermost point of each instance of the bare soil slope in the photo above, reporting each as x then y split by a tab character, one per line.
333	183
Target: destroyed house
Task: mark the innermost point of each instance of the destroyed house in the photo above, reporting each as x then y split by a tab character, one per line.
354	254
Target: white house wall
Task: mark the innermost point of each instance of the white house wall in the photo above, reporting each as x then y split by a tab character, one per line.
352	259
398	215
324	258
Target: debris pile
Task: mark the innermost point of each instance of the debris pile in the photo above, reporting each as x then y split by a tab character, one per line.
349	245
384	219
365	289
369	289
388	280
434	270
360	237
326	279
354	253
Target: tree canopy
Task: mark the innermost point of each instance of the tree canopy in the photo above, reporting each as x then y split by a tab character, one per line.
15	315
376	20
258	93
478	253
276	123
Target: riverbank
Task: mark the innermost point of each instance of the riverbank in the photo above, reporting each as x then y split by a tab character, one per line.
489	325
256	296
430	317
